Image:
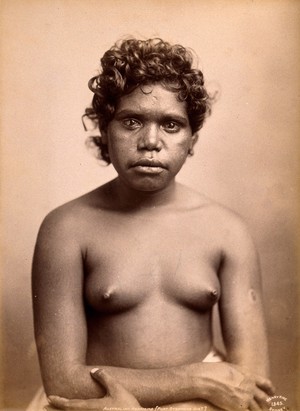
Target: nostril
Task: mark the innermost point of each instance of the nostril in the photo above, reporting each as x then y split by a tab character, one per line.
150	142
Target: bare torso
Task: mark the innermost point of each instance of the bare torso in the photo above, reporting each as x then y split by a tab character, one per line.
151	280
130	286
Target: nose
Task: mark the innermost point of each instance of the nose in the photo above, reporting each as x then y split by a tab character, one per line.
149	139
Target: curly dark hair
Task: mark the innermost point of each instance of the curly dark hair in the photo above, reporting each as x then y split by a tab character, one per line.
131	63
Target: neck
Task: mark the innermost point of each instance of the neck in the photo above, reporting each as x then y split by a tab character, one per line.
127	197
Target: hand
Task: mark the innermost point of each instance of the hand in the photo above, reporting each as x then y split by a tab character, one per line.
232	388
260	387
116	396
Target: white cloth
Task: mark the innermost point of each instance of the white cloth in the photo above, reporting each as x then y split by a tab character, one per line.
40	399
214	356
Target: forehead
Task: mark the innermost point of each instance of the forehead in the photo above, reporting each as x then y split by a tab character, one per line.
152	98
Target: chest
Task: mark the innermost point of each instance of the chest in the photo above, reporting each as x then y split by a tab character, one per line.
134	264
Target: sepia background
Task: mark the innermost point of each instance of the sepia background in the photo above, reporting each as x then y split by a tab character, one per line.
247	155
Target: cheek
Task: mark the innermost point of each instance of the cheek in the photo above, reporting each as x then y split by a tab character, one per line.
186	141
117	147
181	149
178	158
120	153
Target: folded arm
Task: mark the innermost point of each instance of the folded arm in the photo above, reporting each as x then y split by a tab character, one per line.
118	397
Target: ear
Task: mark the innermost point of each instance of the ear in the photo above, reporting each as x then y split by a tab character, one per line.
194	140
104	136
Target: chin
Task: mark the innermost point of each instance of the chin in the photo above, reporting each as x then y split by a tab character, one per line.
150	185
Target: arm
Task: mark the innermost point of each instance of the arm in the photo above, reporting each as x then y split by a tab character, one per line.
241	306
117	397
61	332
61	329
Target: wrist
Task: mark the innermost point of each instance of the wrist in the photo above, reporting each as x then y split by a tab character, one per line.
200	381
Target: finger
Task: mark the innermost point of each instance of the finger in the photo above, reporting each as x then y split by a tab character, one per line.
265	384
74	404
113	388
254	406
49	408
106	380
58	402
261	398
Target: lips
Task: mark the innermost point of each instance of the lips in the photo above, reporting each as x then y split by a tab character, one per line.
148	165
148	162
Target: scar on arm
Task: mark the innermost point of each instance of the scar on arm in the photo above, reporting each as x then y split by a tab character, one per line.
252	295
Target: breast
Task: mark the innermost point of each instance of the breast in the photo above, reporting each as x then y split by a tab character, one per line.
117	287
113	292
195	289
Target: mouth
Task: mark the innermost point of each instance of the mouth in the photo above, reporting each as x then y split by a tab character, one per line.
149	166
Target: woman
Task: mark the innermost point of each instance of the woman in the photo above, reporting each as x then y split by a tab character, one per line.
126	276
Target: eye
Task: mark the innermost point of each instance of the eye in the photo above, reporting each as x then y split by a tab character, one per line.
131	123
171	127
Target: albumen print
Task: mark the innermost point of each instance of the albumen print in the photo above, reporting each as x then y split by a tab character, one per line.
149	205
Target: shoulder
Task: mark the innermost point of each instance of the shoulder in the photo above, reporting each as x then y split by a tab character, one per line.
227	226
235	236
233	229
73	217
62	218
228	220
209	208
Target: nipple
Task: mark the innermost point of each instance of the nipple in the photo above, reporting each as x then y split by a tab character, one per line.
107	295
214	294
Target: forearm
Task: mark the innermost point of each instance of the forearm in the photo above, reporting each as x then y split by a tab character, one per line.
220	384
150	387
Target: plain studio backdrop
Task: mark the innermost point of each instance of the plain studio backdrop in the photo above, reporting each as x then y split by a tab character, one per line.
246	156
